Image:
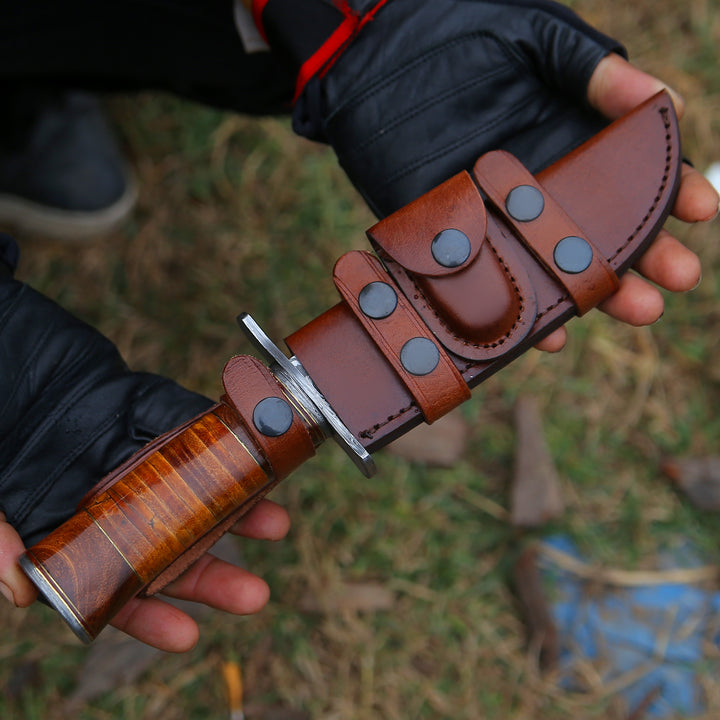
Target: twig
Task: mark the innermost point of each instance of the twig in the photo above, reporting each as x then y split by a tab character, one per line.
628	578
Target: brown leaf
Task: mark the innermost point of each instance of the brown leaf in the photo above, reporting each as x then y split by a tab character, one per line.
441	444
352	596
698	478
25	678
542	633
535	497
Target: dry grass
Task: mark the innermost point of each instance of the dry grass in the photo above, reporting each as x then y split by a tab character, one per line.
237	214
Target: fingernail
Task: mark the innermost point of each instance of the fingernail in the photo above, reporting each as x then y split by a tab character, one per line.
7	592
697	284
660	318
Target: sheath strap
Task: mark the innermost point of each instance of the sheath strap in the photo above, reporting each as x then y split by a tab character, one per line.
557	242
424	367
248	383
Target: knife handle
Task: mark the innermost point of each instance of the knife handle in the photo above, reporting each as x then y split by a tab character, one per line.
154	516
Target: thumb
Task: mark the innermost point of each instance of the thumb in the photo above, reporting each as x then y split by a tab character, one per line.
617	86
14	585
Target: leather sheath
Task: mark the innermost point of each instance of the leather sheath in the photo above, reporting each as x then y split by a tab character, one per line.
614	192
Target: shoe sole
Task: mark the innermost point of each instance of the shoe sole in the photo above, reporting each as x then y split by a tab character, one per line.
69	226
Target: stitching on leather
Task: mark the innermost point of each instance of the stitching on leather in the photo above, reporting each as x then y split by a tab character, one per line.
370	431
461	142
661	188
461	340
560	300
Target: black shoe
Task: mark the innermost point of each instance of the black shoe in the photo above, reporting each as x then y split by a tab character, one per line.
61	172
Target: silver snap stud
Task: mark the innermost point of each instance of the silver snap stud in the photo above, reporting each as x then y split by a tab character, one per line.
450	248
419	356
573	254
377	300
524	203
272	417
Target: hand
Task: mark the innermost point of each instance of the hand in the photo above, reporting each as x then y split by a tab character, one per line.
210	580
615	88
72	411
409	94
417	96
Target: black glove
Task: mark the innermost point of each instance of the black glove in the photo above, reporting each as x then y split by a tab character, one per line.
409	92
70	409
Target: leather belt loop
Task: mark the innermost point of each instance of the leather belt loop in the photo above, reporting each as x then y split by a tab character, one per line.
269	418
565	251
409	346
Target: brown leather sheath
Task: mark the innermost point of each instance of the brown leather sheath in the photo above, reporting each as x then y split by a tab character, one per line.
537	251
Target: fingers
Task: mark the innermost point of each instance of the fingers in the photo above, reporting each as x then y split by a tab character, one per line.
697	199
220	585
617	86
636	302
211	581
669	264
554	342
266	521
14	585
158	624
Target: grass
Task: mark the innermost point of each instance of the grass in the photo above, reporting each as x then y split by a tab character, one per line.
238	214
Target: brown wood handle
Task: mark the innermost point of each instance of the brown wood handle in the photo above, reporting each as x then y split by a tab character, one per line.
163	508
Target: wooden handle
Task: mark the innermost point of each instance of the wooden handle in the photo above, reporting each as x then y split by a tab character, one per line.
162	509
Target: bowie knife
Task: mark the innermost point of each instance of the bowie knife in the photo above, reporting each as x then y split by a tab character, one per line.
459	283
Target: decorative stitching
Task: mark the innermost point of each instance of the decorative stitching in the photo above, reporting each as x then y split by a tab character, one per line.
486	346
427	58
661	188
369	432
459	143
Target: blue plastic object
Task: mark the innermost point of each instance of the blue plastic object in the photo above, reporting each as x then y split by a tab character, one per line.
652	643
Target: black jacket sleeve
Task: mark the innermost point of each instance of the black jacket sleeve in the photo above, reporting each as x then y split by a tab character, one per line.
70	409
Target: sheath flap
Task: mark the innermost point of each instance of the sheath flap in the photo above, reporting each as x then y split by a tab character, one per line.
458	270
407	235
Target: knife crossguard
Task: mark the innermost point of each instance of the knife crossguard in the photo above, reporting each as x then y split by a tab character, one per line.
464	279
291	374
